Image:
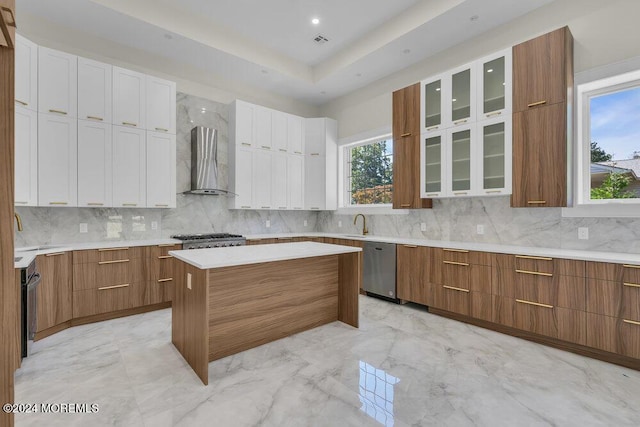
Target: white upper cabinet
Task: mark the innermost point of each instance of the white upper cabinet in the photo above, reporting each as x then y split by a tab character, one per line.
57	82
95	184
129	98
315	137
94	90
295	178
242	124
161	105
432	166
161	170
129	167
242	180
262	127
321	160
494	156
315	184
494	85
57	160
279	181
433	112
462	161
26	156
261	180
295	134
26	80
279	131
460	97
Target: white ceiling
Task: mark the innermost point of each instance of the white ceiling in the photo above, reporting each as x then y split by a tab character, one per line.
268	44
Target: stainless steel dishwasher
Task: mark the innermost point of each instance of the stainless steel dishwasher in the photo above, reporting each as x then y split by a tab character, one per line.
379	276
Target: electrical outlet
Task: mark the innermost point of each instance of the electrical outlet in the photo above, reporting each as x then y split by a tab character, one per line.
267	223
188	280
305	222
154	225
480	229
84	227
583	233
423	226
339	224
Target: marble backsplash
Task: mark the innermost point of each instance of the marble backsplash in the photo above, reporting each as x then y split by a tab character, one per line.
193	213
457	219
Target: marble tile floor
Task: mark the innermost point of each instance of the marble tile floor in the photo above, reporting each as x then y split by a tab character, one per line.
403	367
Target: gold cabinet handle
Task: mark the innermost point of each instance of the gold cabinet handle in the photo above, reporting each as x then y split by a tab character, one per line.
313	208
493	191
56	254
459	193
113	249
537	304
162	129
266	207
165	280
159	205
314	154
20	203
535	104
464	251
64	113
58	203
164	256
100	119
405	134
405	205
464	264
166	245
95	204
245	207
535	273
537	202
282	207
22	102
497	113
117	261
410	246
541	258
432	194
632	322
631	266
631	285
459	122
266	147
246	144
282	149
105	288
129	204
433	128
297	152
130	124
453	288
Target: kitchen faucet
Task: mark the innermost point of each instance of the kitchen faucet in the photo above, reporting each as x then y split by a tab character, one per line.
364	224
18	220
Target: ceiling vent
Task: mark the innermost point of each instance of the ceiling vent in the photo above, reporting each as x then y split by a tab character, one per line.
320	39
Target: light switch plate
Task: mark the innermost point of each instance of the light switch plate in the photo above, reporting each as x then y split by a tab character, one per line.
267	223
339	224
480	229
84	227
423	226
154	225
305	222
583	233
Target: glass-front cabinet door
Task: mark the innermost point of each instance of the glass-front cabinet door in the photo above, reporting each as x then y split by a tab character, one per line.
461	161
462	96
432	153
495	156
494	85
433	112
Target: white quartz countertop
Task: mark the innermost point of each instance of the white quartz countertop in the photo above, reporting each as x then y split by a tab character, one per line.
205	259
587	255
28	254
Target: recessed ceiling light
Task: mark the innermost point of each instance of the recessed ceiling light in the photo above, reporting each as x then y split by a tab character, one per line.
406	51
203	110
474	18
490	70
315	21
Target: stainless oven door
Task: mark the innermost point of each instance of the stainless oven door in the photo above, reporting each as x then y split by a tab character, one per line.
32	308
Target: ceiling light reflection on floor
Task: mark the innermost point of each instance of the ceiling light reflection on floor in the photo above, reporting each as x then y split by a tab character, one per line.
376	393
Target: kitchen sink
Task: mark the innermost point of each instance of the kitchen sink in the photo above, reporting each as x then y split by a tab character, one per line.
359	236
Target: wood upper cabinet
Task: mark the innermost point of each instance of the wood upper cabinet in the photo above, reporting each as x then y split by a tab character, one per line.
406	149
542	70
55	289
7	24
540	157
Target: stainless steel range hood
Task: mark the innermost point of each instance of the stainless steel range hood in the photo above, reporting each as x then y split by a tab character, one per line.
204	163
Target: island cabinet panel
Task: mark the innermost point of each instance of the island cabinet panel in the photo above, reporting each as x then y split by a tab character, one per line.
55	290
271	301
161	273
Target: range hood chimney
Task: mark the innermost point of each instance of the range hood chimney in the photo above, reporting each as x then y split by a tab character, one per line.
204	162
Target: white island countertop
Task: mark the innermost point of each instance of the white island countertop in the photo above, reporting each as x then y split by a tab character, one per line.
205	259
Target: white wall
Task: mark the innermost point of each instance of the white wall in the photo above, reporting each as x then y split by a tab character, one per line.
605	31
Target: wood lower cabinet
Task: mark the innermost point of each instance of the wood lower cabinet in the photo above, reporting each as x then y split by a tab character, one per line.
161	273
108	299
614	335
55	290
417	272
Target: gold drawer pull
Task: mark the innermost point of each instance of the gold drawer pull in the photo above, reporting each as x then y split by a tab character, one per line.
631	266
314	208
405	205
64	113
405	134
126	285
282	207
95	204
58	203
164	256
459	193
297	152
631	322
166	245
535	104
535	273
631	285
130	124
460	122
246	144
497	113
541	258
162	129
537	202
117	261
165	280
266	147
410	246
113	249
453	288
433	128
537	304
493	191
20	203
266	207
56	254
159	205
22	102
95	118
464	264
245	207
129	204
432	194
463	251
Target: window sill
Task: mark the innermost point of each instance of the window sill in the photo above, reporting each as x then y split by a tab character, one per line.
608	210
370	210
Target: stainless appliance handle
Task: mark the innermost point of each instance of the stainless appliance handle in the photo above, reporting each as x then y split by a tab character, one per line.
33	281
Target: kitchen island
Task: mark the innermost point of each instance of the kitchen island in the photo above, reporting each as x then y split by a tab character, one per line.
231	299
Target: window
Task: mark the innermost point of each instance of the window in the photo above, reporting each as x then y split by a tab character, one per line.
609	140
368	172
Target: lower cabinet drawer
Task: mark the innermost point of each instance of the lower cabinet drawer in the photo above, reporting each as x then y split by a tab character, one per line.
614	334
462	301
96	275
160	291
108	298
